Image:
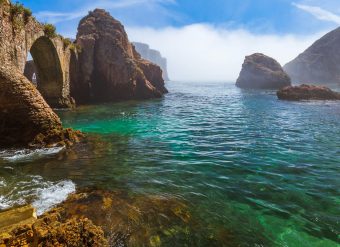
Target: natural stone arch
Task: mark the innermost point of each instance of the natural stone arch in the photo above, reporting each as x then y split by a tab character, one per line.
49	72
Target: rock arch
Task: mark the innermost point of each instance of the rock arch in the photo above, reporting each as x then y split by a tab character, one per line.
49	72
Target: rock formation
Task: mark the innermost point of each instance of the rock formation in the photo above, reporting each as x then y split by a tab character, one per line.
153	56
108	68
307	92
262	72
20	33
320	63
51	229
25	118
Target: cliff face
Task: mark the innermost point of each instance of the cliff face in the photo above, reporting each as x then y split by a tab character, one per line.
153	56
108	67
262	72
320	63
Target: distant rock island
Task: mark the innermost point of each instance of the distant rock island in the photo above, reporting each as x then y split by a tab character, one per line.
262	72
307	92
320	63
154	56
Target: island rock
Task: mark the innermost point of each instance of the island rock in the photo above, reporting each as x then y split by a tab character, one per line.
108	68
262	72
307	92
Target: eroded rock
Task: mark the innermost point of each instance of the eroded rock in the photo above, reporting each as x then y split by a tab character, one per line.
262	72
108	69
307	92
25	118
54	229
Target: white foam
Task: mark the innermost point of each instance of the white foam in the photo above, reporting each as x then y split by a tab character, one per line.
51	196
28	154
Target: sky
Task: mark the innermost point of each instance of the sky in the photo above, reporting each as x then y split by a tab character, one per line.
206	40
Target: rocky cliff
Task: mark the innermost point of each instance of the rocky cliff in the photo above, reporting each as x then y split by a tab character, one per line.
153	56
108	67
262	72
320	63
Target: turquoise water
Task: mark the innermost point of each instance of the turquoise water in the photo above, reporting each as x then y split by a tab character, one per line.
266	170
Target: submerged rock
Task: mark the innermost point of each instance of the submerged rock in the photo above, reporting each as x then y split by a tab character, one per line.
320	63
108	69
25	118
307	92
262	72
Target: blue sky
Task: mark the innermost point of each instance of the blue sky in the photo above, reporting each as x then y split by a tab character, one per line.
212	25
264	16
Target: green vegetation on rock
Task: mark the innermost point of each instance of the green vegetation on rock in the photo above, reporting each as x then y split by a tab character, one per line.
50	30
19	9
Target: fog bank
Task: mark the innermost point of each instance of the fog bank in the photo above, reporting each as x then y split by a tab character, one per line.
203	52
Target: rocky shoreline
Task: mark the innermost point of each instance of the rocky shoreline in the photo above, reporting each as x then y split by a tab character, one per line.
96	217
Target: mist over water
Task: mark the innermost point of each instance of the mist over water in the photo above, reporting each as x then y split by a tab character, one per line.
251	168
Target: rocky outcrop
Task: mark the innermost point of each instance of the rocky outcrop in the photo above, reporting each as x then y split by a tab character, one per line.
262	72
153	56
320	63
53	229
307	92
21	33
25	118
108	69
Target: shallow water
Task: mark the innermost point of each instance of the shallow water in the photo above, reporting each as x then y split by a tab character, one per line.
264	171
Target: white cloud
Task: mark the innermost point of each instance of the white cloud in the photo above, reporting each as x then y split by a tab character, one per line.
202	52
319	13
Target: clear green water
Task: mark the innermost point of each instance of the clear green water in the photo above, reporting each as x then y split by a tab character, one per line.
268	170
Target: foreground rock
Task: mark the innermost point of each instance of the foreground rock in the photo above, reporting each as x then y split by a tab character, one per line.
53	229
262	72
25	118
108	69
320	63
153	56
307	92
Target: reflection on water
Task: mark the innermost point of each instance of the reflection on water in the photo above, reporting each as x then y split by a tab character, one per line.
249	169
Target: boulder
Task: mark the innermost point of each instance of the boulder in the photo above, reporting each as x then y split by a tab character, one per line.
25	118
262	72
320	63
307	92
108	69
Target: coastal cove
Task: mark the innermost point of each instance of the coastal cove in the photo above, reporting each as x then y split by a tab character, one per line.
251	169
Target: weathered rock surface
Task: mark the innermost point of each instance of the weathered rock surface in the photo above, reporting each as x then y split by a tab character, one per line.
307	92
25	118
21	33
262	72
108	69
320	63
153	56
54	229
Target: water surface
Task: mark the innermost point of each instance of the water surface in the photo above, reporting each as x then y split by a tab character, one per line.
265	171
